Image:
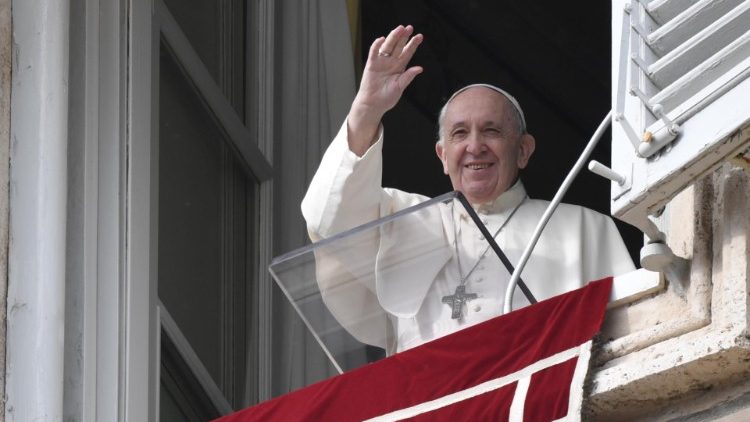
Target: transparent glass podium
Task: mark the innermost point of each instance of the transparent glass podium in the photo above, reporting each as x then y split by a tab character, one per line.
336	285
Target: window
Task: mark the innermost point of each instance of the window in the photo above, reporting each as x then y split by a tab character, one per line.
209	171
679	87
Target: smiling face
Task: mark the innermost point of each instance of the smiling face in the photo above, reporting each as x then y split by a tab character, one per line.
481	146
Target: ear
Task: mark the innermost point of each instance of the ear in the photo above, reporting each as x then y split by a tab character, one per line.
525	149
440	151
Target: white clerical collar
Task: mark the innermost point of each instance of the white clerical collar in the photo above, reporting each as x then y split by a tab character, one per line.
506	201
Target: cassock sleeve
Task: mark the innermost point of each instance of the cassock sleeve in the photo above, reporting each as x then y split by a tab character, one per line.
344	193
346	190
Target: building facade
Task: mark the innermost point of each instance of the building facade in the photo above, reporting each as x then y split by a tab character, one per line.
152	157
149	187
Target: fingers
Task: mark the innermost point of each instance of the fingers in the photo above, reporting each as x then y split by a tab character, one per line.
405	78
410	48
389	56
375	48
394	44
392	40
401	39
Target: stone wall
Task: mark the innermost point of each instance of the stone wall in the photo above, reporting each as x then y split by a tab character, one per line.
684	352
5	67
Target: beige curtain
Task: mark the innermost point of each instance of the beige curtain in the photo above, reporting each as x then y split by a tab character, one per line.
315	87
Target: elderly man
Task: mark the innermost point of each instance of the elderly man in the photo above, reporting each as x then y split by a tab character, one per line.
483	144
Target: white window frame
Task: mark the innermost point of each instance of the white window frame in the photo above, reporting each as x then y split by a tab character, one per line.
113	373
110	331
256	160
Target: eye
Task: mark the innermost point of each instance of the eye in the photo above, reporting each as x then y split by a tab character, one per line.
493	131
458	134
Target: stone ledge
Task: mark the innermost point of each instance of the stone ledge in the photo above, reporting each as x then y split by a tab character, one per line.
692	338
654	378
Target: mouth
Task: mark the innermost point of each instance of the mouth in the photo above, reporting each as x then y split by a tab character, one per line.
478	166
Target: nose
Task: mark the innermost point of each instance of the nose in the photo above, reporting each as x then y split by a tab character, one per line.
475	144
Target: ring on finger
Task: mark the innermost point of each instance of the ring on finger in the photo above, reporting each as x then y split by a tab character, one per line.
382	53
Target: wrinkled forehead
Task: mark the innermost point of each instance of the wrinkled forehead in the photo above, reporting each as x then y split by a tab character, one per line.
510	101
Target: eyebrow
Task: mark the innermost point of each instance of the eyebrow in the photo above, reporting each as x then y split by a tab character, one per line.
497	123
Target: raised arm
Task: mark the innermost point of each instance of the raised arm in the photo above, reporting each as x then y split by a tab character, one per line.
384	79
345	191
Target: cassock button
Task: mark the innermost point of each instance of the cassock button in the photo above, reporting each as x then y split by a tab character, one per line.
479	279
477	308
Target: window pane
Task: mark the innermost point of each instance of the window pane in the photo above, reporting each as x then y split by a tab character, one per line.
216	31
199	20
203	225
181	398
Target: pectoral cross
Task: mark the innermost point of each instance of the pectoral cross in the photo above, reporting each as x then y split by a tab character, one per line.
457	300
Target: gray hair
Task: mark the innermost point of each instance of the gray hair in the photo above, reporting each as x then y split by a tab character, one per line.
518	113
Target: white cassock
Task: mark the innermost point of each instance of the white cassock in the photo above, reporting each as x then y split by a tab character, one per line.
401	307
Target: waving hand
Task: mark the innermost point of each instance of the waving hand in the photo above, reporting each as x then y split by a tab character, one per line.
384	80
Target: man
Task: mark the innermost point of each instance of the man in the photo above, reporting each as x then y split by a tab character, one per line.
483	144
